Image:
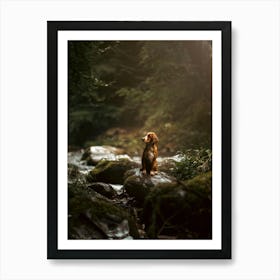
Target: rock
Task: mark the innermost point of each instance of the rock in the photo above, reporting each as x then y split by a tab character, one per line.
75	175
94	154
91	217
103	189
183	211
138	185
110	171
118	188
73	171
74	158
167	165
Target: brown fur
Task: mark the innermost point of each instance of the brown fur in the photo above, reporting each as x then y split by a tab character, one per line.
150	153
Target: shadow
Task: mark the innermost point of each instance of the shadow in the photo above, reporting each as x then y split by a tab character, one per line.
139	263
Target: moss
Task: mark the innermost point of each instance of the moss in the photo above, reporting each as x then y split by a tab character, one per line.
86	154
73	171
203	179
86	209
101	165
99	209
201	184
111	171
182	210
103	189
138	187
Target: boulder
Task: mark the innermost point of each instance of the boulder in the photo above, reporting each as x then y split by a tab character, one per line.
75	175
183	211
91	217
167	165
94	154
138	185
111	171
73	171
103	189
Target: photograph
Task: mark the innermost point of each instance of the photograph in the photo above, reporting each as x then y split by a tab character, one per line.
139	140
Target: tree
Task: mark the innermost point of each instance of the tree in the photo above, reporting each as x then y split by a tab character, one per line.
152	85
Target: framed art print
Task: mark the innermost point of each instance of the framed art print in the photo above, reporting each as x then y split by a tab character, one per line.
139	140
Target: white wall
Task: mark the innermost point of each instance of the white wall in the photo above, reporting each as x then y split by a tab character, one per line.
255	193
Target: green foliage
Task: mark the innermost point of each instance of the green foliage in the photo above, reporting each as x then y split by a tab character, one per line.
150	85
89	121
174	98
193	163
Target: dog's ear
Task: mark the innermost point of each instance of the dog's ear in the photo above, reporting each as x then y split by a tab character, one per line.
154	138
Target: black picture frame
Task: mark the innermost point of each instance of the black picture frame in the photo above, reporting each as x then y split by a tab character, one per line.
52	196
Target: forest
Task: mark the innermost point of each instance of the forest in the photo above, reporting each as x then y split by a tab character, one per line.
118	91
141	86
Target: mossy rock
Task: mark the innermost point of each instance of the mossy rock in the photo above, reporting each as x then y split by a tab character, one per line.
138	185
91	217
202	184
183	211
103	189
73	171
75	176
110	171
167	166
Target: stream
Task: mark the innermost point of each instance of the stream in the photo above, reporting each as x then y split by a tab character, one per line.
110	198
75	158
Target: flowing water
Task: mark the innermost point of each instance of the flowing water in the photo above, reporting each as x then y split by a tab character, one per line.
121	231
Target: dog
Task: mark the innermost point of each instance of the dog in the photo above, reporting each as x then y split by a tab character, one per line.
150	153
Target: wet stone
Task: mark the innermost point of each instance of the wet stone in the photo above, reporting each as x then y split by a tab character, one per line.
103	189
94	154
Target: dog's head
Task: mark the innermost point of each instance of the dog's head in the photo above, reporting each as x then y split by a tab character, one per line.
150	137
